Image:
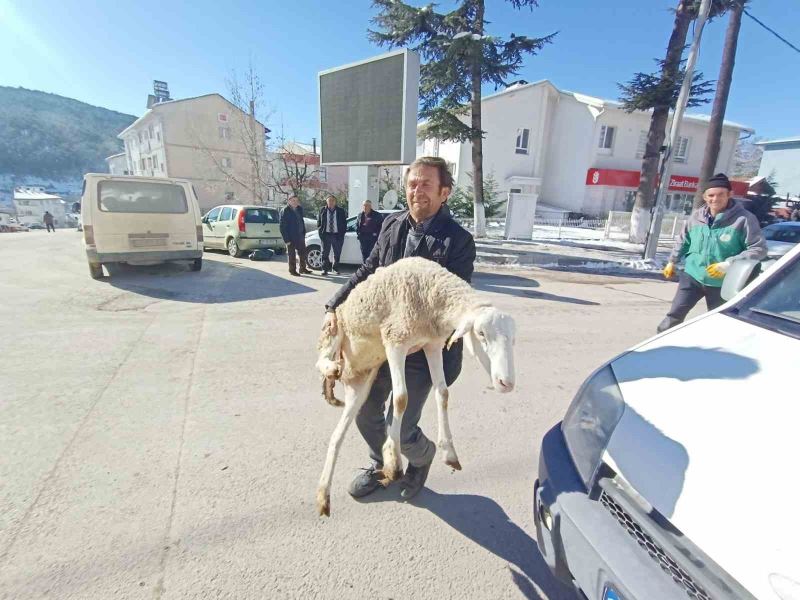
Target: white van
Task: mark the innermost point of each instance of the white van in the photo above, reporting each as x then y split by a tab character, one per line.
675	471
139	220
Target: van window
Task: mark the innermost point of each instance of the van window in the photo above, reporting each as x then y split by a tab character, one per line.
141	197
776	305
261	215
225	215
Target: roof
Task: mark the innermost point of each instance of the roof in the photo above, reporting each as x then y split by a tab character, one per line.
781	141
33	194
150	111
115	156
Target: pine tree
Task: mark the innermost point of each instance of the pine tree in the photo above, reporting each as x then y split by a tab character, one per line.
659	92
721	97
458	58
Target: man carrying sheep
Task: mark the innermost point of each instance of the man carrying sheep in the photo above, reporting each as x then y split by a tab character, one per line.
427	230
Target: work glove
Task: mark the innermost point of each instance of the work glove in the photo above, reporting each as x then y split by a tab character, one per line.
669	270
717	270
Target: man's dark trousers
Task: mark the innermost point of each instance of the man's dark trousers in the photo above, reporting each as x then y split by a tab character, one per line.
335	241
690	292
50	227
372	424
298	246
367	244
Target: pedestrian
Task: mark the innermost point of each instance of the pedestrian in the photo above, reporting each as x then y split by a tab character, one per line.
426	229
332	225
795	215
293	231
714	236
368	226
49	221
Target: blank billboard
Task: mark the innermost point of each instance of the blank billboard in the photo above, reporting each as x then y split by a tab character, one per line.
368	111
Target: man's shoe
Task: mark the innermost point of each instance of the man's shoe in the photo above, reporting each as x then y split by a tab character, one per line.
337	271
305	272
295	273
325	273
366	482
413	480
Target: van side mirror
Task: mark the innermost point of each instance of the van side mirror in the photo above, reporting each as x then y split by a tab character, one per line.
740	273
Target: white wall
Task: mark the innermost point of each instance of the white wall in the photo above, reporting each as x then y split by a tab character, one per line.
784	163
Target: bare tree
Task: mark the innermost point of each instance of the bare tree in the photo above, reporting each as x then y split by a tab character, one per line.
294	171
747	158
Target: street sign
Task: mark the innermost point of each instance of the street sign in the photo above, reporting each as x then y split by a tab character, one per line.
368	111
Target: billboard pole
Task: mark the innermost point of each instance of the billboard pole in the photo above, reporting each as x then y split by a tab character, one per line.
651	244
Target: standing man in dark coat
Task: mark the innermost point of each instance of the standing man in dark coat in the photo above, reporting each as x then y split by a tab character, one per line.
427	230
332	225
49	221
293	231
368	226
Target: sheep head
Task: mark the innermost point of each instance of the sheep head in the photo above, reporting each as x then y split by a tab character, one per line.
489	336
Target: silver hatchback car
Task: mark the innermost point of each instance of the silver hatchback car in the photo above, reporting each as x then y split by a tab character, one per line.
241	227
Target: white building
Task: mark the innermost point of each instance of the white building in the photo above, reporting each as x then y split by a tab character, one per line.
781	161
576	152
118	164
205	140
32	202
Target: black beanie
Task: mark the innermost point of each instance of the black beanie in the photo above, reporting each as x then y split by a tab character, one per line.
718	180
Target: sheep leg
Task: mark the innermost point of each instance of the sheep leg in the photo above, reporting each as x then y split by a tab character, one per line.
433	352
355	394
392	462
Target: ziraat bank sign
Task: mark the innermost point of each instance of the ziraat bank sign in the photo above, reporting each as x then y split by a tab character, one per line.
630	179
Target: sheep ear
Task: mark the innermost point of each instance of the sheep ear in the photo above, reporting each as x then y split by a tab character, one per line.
464	327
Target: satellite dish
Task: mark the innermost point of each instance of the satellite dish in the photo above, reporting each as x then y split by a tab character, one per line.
390	199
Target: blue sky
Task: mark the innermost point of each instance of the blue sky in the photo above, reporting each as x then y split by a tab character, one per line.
107	54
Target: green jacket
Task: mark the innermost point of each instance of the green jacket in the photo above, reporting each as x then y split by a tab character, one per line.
732	235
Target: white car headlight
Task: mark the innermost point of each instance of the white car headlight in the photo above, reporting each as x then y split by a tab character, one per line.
590	421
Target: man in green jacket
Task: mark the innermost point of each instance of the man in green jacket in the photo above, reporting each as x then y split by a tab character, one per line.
715	235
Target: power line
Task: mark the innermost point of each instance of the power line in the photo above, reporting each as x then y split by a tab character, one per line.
775	33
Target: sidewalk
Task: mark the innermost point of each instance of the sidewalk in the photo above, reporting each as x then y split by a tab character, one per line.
571	255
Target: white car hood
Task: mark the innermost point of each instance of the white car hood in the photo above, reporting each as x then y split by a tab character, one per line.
710	438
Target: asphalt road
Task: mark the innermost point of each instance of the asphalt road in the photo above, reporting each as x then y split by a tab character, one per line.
163	432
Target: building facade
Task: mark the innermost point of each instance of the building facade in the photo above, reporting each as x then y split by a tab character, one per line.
294	161
31	203
576	152
781	162
118	164
206	140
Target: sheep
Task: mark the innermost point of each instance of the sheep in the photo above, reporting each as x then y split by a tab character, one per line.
414	303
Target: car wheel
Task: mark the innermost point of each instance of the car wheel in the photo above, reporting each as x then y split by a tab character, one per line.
233	248
197	264
314	257
96	270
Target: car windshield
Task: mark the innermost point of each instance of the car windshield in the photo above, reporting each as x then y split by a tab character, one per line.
782	234
261	215
776	304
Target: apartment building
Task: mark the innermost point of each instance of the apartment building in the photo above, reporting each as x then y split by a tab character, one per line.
206	140
576	152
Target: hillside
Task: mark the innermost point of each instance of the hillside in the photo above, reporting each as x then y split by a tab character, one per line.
46	135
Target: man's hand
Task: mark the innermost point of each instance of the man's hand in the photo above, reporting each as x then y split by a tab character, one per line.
669	270
717	270
329	324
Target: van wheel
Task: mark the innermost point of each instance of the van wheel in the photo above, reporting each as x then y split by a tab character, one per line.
197	264
233	248
96	270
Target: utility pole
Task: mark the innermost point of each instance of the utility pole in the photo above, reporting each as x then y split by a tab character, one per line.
254	160
651	244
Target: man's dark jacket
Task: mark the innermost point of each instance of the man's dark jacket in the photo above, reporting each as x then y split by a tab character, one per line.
292	224
341	220
445	242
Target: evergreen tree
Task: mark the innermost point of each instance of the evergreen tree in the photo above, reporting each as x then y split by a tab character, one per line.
458	58
659	92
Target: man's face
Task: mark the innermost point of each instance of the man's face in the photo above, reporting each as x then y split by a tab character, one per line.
293	202
331	202
367	206
424	193
717	199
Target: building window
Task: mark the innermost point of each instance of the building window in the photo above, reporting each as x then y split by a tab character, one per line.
162	167
150	134
141	140
642	145
630	200
141	162
149	163
225	133
451	166
681	153
222	117
158	135
226	162
323	174
606	137
522	141
435	143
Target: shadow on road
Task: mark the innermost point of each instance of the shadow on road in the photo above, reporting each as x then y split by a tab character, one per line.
521	287
485	522
217	283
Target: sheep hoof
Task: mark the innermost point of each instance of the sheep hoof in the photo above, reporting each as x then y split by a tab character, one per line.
454	464
323	504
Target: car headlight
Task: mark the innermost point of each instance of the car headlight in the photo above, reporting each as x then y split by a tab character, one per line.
590	421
